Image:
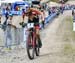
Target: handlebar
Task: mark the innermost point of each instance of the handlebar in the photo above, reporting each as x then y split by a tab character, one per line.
23	24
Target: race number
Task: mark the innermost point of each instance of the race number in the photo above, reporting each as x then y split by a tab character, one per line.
30	25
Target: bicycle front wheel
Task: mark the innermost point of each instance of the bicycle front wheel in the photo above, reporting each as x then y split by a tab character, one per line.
30	47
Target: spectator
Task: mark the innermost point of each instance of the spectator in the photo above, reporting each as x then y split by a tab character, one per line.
43	18
74	17
49	11
72	12
9	6
6	18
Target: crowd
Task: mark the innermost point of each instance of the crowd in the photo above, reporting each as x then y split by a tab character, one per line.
34	14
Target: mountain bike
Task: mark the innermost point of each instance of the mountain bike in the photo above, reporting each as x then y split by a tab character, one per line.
32	42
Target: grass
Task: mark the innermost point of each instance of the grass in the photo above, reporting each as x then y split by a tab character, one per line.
69	37
69	49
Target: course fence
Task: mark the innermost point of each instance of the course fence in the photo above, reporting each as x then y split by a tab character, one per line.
15	36
11	36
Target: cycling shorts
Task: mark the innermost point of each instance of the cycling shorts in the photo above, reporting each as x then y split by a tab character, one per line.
36	25
36	22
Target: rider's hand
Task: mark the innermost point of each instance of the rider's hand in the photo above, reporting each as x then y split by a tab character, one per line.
22	24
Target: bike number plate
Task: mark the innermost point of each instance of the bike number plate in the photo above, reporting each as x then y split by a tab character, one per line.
30	25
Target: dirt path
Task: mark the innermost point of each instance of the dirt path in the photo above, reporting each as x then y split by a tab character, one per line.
57	44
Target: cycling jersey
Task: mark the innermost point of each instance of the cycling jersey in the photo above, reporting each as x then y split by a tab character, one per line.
33	13
35	20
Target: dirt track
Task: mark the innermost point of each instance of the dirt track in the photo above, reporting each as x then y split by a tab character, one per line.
58	44
55	47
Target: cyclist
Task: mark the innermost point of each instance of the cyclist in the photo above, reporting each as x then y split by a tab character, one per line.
34	18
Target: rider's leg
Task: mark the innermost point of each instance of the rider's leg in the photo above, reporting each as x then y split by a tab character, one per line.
38	37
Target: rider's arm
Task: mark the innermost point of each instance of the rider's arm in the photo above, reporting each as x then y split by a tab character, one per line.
13	25
10	23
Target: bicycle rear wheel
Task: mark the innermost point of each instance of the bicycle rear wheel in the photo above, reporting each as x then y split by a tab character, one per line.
30	47
37	49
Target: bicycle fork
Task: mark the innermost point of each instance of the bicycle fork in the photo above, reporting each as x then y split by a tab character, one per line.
33	39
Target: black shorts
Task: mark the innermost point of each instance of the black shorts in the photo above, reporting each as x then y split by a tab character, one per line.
35	21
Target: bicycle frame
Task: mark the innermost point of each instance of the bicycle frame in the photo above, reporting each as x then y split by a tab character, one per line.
33	33
32	43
